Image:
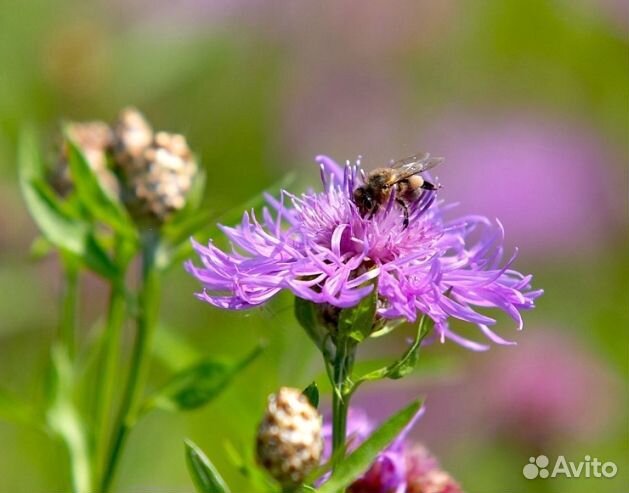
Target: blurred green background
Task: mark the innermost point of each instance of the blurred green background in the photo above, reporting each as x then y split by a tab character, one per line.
526	100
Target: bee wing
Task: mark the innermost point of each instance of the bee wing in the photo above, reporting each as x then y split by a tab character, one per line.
413	165
416	158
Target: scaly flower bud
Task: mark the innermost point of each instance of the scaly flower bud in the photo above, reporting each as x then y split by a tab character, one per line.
289	443
157	168
164	176
132	136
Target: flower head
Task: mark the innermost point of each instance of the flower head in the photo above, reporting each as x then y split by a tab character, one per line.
320	247
403	467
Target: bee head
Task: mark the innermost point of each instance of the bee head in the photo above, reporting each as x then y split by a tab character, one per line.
363	199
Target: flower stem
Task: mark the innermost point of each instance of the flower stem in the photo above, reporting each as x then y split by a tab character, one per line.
343	363
148	305
69	304
104	400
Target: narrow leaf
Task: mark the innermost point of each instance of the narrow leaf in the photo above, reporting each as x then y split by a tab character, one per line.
64	420
195	386
54	218
312	394
306	315
93	196
181	230
205	476
386	328
241	458
407	362
359	461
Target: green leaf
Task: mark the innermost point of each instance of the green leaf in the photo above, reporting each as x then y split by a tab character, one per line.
407	362
358	322
312	394
359	461
306	315
195	386
182	230
94	197
204	475
386	328
242	459
64	420
54	218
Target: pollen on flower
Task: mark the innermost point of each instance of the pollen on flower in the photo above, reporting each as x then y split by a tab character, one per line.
289	443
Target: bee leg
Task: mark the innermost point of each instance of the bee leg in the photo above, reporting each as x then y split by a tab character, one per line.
429	186
405	209
373	211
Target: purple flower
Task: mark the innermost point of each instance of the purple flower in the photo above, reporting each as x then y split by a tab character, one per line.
320	247
403	467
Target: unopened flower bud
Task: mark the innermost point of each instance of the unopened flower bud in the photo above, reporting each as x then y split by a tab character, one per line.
289	443
162	177
94	139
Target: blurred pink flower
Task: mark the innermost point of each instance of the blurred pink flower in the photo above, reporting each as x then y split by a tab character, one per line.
553	181
547	389
615	12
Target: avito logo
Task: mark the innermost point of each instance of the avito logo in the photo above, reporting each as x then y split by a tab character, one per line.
538	467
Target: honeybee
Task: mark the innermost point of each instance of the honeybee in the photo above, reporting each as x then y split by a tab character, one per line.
401	176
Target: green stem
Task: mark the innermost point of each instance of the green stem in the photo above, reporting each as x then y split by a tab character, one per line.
107	376
148	305
70	426
343	363
69	304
